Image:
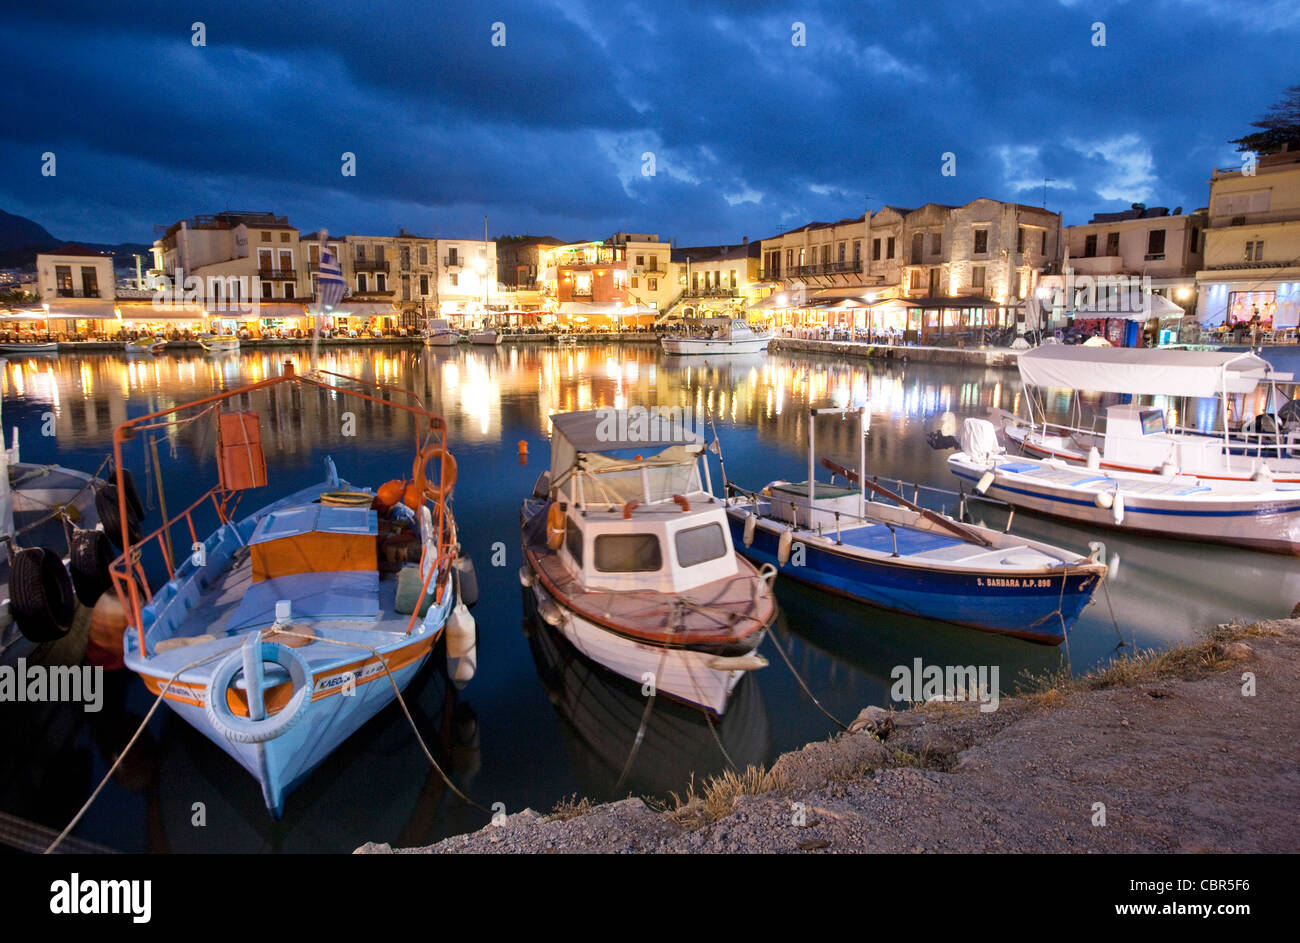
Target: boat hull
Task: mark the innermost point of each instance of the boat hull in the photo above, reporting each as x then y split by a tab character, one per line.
1269	524
1034	606
441	340
702	345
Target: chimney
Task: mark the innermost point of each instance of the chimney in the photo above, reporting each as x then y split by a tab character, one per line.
744	240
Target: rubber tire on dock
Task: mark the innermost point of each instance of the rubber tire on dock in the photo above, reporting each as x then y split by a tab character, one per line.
88	560
41	599
106	507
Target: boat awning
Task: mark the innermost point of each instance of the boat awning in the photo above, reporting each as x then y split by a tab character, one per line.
596	431
1142	371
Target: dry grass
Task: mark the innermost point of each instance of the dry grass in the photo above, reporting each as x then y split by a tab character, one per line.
571	807
1188	661
717	795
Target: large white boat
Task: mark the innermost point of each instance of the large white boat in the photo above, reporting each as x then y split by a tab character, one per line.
1135	438
485	335
716	336
438	332
630	557
1259	515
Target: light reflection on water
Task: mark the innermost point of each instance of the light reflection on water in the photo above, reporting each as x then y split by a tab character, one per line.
538	724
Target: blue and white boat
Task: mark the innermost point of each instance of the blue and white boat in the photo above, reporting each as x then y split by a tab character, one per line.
279	634
875	547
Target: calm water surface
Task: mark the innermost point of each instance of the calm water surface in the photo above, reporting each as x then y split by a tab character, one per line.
538	723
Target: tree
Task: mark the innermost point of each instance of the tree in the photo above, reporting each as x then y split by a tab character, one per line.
1279	126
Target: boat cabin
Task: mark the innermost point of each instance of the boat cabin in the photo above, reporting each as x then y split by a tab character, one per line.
635	493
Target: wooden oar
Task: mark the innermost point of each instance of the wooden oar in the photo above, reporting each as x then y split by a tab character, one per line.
960	530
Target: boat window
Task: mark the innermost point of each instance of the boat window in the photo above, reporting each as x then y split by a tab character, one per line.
628	553
573	540
700	544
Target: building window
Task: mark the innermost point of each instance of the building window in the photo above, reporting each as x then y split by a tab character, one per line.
640	260
286	263
284	237
424	255
455	279
379	253
789	258
914	280
361	281
977	277
264	260
1112	243
826	254
875	250
636	281
1191	240
89	282
1090	246
266	237
424	284
652	284
1020	238
288	289
844	248
1156	244
936	243
361	253
981	241
857	251
889	248
1255	251
266	287
406	257
453	256
1044	249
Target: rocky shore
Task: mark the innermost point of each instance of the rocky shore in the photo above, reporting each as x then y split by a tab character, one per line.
1171	747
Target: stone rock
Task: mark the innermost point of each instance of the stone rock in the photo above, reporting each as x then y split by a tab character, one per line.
873	720
815	764
374	848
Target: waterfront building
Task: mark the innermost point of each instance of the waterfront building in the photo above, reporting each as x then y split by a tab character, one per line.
623	280
520	260
717	280
1252	248
466	284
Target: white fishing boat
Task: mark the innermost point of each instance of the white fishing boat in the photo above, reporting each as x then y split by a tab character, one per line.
1259	515
716	336
284	631
143	346
1133	438
438	332
51	347
485	335
630	558
219	343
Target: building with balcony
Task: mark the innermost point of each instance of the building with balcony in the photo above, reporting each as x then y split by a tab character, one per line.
717	280
76	290
466	284
1252	246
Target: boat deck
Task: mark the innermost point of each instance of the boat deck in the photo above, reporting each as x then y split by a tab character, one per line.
1094	481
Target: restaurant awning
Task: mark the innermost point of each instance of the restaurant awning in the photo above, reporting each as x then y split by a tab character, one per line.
77	310
1150	306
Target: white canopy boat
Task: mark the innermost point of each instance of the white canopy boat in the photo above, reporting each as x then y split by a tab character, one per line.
1259	515
438	332
145	345
630	557
485	335
717	336
219	343
1135	438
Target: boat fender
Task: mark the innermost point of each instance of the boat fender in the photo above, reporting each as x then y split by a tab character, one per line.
751	662
1104	499
89	556
629	508
462	645
985	482
1096	551
526	578
1117	508
390	492
41	598
767	574
1094	458
468	580
751	522
106	507
1263	473
783	546
244	729
555	526
1168	469
550	612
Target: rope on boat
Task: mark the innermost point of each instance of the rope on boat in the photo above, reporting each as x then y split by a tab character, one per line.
61	509
645	720
777	644
397	692
130	743
33	838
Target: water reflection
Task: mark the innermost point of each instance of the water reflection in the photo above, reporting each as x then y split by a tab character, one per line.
552	725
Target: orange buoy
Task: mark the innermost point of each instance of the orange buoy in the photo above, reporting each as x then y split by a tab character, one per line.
107	624
390	492
523	446
412	494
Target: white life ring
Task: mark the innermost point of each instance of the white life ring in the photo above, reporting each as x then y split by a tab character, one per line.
244	729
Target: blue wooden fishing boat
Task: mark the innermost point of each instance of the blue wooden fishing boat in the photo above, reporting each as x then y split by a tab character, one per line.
282	632
872	545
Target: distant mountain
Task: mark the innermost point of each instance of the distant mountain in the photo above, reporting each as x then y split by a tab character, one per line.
21	239
18	232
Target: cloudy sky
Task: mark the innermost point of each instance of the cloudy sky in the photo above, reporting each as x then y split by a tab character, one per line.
546	134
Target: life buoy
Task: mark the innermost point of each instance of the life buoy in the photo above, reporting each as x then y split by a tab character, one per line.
420	488
90	554
555	527
244	729
41	600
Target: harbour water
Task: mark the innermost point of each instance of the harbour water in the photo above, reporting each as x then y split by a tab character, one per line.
538	723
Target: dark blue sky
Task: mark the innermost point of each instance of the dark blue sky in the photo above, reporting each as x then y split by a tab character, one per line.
751	134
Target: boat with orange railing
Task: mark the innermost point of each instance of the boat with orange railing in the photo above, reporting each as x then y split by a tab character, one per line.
280	633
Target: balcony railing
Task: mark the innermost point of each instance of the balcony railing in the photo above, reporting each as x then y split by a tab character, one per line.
373	294
714	292
1250	219
453	261
370	265
78	293
277	274
847	267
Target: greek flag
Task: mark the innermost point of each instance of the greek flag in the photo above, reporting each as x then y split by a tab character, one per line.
329	279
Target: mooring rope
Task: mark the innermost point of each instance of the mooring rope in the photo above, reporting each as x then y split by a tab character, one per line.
777	644
645	720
